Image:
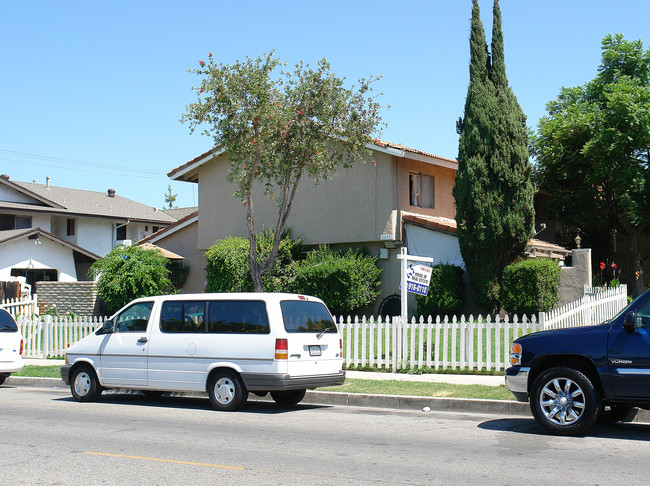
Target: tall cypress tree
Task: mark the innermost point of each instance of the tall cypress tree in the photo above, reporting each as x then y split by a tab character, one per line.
493	191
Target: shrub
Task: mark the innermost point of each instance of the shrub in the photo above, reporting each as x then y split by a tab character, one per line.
130	272
227	267
530	286
345	281
446	292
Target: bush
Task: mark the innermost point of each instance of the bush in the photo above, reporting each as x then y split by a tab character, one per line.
130	272
530	286
227	267
446	292
345	281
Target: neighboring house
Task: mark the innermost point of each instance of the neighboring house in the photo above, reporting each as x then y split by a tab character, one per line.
55	233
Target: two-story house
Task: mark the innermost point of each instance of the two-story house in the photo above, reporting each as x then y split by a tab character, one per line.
399	196
51	233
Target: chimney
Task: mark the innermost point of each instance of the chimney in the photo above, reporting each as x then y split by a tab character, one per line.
5	177
111	193
47	182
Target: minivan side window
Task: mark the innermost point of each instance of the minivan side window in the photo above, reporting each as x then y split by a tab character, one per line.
182	316
306	316
134	318
238	317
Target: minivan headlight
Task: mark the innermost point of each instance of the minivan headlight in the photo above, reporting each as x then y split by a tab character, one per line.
515	354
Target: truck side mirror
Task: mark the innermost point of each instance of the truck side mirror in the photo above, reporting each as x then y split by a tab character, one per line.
107	328
629	322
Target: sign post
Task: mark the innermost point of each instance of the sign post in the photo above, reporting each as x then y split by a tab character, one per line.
415	278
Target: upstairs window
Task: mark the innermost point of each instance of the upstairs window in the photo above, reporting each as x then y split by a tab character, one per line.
71	227
120	233
421	190
11	222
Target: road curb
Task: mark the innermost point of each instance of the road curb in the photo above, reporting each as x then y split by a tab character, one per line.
396	402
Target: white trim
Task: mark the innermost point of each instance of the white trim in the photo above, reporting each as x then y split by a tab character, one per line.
173	230
196	164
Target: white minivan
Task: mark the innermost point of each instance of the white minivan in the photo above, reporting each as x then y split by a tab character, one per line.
224	344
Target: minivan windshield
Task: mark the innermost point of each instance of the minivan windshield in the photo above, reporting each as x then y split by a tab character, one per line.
306	316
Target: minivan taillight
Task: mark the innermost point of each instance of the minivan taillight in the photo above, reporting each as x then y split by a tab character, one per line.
281	349
341	347
22	342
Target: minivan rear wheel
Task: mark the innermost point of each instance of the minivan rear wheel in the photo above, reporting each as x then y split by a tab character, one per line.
84	384
288	397
226	391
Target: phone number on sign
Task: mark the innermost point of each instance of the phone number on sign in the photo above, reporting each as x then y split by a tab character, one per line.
417	288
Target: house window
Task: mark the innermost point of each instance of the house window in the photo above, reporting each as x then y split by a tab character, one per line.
11	221
33	275
71	227
421	190
155	228
120	233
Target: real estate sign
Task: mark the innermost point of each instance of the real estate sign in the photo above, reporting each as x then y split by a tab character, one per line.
418	278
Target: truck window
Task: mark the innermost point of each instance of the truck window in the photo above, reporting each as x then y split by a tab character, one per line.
305	316
134	318
238	317
643	315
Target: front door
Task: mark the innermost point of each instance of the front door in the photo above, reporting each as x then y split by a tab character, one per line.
124	352
629	356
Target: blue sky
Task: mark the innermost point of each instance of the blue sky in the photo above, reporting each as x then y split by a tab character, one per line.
92	91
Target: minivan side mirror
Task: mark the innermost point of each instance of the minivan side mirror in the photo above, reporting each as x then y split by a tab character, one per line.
629	322
107	328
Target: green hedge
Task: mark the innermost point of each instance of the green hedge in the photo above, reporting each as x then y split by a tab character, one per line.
446	292
530	286
345	281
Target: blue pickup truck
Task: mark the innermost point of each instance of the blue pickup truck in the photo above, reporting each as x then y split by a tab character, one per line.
577	377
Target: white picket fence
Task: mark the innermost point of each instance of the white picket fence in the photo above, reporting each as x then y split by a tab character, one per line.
17	307
464	343
599	304
481	343
48	336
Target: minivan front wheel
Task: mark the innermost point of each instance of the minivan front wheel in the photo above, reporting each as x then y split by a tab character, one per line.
226	391
84	384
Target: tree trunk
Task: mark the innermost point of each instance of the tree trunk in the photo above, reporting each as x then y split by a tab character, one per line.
638	285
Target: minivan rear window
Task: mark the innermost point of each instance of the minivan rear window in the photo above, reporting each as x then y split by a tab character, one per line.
7	323
306	316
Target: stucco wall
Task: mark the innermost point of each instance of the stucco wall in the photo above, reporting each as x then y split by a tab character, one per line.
46	254
184	243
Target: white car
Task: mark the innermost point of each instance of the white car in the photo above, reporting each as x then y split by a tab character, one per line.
11	346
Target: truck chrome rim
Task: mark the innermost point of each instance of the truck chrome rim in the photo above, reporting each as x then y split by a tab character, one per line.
224	390
82	384
562	401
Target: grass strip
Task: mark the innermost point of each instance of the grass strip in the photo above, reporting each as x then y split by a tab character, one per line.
373	387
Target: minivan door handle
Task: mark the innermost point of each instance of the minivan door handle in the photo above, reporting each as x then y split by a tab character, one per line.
143	340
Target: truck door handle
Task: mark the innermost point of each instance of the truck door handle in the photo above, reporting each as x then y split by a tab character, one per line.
143	340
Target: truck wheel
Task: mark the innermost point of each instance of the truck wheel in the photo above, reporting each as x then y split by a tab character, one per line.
226	391
289	397
84	384
617	413
564	401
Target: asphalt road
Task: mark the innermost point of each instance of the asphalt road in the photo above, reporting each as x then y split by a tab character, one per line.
47	438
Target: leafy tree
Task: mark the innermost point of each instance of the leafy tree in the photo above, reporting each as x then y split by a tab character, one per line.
130	272
531	286
169	197
493	190
446	292
276	128
593	146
